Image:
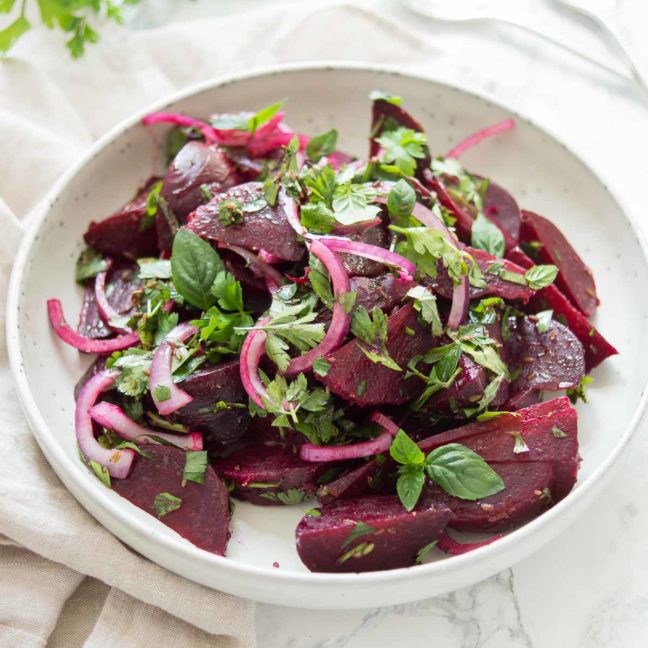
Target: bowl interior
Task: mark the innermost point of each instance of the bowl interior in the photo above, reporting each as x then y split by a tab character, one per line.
538	171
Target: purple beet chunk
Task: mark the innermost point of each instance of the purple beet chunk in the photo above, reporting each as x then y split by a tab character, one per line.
497	287
393	537
127	233
386	116
597	348
385	291
249	167
267	228
270	475
466	390
500	207
209	386
574	278
354	482
358	266
495	440
527	494
121	286
203	517
359	380
552	360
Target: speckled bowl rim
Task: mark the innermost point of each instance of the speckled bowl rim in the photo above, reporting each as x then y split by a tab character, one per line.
62	461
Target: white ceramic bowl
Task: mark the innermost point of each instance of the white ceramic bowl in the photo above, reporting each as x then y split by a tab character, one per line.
542	174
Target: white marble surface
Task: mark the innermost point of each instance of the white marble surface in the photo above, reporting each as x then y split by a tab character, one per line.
588	588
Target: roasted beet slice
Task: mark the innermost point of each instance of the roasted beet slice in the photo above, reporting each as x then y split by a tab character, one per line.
575	279
548	432
386	116
500	207
249	167
216	409
551	360
267	228
356	481
367	534
597	348
385	291
127	233
462	213
497	286
120	289
358	266
271	474
527	494
356	378
203	516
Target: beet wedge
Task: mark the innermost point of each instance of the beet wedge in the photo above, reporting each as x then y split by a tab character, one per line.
528	491
597	348
551	360
128	232
367	534
496	285
460	212
575	279
361	480
357	266
502	209
217	394
203	515
267	228
358	379
385	291
270	475
543	432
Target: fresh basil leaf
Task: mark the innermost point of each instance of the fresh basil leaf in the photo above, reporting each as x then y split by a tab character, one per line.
195	466
352	203
89	264
462	472
485	235
409	485
401	200
321	145
405	451
165	503
194	266
540	276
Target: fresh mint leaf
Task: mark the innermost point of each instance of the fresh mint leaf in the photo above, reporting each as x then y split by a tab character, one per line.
89	264
405	451
165	503
462	473
540	276
321	145
485	235
195	466
402	147
401	200
409	485
194	266
352	203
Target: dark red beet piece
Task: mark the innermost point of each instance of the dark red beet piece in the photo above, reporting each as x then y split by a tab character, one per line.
209	386
385	291
575	279
552	360
527	494
127	233
203	517
270	475
460	212
500	208
358	266
121	286
386	116
393	537
597	348
494	439
266	228
356	481
356	378
248	167
497	287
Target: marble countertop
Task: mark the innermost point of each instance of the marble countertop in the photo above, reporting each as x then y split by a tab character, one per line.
589	587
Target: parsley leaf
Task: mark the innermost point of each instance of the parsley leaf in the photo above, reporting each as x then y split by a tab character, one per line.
165	503
195	466
317	217
352	203
485	235
321	145
425	303
402	147
89	264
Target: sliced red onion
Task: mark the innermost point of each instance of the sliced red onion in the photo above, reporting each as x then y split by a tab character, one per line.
356	228
106	311
161	374
451	546
114	418
340	320
311	452
479	136
385	422
252	351
289	207
117	462
407	269
273	277
266	256
87	345
209	133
